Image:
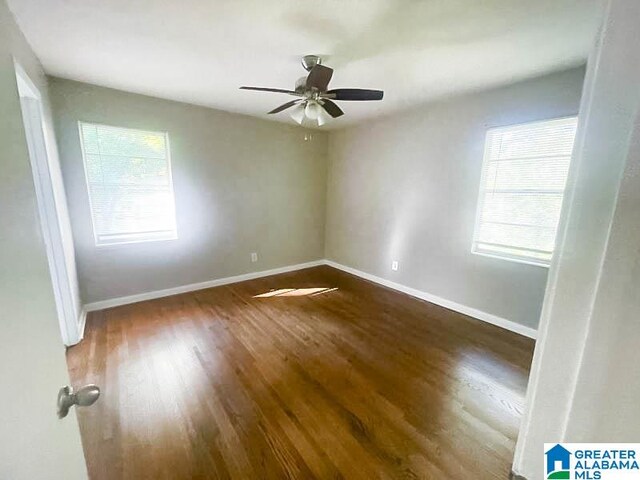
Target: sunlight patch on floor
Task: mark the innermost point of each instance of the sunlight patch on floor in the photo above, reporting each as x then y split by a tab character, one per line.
296	292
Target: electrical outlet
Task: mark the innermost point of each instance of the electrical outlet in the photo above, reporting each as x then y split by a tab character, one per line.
254	257
394	265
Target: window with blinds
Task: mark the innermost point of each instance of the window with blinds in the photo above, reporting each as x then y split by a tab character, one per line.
128	176
523	182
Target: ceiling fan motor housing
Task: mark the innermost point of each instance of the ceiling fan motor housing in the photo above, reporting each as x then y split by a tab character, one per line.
314	97
301	85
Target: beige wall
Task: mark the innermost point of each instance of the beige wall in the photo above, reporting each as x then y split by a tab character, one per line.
242	185
405	188
400	188
34	443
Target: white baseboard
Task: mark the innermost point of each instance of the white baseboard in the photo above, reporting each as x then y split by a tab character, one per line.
116	302
443	302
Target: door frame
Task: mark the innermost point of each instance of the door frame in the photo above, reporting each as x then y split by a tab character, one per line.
71	316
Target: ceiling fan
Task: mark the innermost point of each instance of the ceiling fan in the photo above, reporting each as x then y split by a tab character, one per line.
314	101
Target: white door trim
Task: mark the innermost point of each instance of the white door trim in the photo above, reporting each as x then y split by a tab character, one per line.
32	116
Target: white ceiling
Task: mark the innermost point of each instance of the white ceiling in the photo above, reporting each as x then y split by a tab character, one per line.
201	51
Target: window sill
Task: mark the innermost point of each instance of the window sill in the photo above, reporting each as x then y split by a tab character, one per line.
514	260
134	242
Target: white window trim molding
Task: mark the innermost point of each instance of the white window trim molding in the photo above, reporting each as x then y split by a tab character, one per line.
166	238
480	201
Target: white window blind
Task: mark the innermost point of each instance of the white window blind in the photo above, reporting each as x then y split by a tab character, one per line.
129	181
523	182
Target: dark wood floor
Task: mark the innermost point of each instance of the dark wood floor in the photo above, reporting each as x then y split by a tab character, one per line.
311	374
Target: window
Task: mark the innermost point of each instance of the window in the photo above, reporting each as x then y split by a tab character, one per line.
523	181
129	181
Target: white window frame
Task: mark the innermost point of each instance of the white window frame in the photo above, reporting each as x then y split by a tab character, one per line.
480	202
163	238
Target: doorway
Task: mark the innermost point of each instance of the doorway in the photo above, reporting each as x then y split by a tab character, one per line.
52	209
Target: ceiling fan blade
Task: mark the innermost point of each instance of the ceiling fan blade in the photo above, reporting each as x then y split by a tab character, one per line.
319	77
332	109
355	94
275	90
285	106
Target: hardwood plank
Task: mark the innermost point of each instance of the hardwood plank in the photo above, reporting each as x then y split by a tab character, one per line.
309	374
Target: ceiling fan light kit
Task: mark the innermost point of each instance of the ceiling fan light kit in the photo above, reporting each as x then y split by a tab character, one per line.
298	113
315	103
